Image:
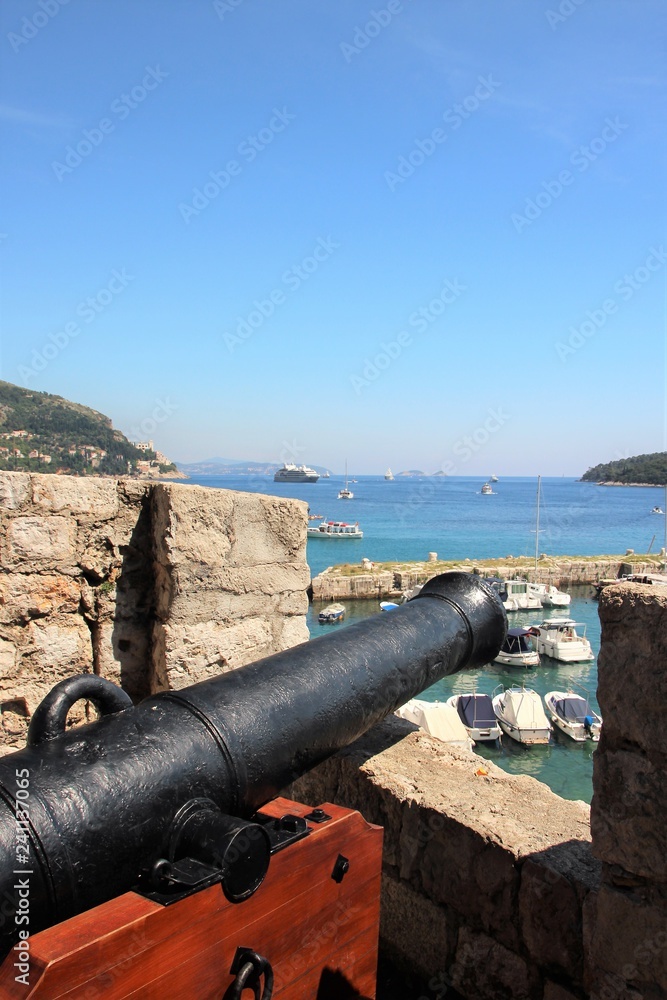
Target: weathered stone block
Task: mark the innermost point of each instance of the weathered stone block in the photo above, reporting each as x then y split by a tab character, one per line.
86	498
190	653
550	915
629	812
47	652
484	969
419	934
38	540
14	490
626	942
631	692
24	596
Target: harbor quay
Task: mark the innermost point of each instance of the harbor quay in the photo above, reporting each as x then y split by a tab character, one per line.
374	580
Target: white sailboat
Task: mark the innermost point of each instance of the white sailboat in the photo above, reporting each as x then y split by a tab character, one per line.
345	493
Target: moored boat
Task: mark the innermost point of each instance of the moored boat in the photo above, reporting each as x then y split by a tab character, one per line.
335	529
476	713
438	719
388	605
550	596
559	639
515	595
345	493
521	715
331	614
516	650
573	715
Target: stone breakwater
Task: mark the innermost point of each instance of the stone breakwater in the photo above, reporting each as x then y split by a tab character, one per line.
151	585
391	581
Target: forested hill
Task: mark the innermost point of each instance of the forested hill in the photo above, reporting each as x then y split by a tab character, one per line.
44	433
650	469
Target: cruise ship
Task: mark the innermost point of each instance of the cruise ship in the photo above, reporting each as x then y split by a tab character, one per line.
291	473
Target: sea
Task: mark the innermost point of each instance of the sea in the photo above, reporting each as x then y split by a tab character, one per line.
409	517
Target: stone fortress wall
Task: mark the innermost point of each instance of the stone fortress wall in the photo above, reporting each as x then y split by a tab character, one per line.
151	585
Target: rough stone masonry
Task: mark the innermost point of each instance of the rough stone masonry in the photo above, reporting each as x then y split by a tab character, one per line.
152	586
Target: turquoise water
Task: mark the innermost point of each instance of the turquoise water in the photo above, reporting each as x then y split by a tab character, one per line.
408	518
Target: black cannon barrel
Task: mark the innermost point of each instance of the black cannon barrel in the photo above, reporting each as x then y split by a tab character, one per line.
92	807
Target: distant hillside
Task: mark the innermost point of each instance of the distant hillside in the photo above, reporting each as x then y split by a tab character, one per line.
649	469
44	433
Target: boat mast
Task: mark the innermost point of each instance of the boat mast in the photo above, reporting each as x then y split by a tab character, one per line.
537	524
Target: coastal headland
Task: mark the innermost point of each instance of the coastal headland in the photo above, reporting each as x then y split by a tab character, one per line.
367	580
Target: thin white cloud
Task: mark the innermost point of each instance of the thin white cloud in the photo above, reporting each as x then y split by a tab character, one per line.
23	116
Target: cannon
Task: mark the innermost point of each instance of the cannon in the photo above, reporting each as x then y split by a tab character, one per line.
162	801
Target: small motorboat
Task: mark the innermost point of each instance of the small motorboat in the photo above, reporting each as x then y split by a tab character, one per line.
550	596
476	713
559	639
515	595
521	715
486	489
657	510
331	614
437	718
573	715
517	650
388	605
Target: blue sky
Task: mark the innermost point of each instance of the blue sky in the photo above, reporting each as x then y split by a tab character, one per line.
419	233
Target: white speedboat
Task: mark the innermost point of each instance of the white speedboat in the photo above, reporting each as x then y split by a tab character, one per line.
476	713
335	529
493	479
573	715
438	719
521	715
550	596
515	595
656	510
331	614
290	473
388	605
487	489
559	639
517	650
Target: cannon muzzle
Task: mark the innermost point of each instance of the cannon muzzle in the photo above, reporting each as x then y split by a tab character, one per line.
87	814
